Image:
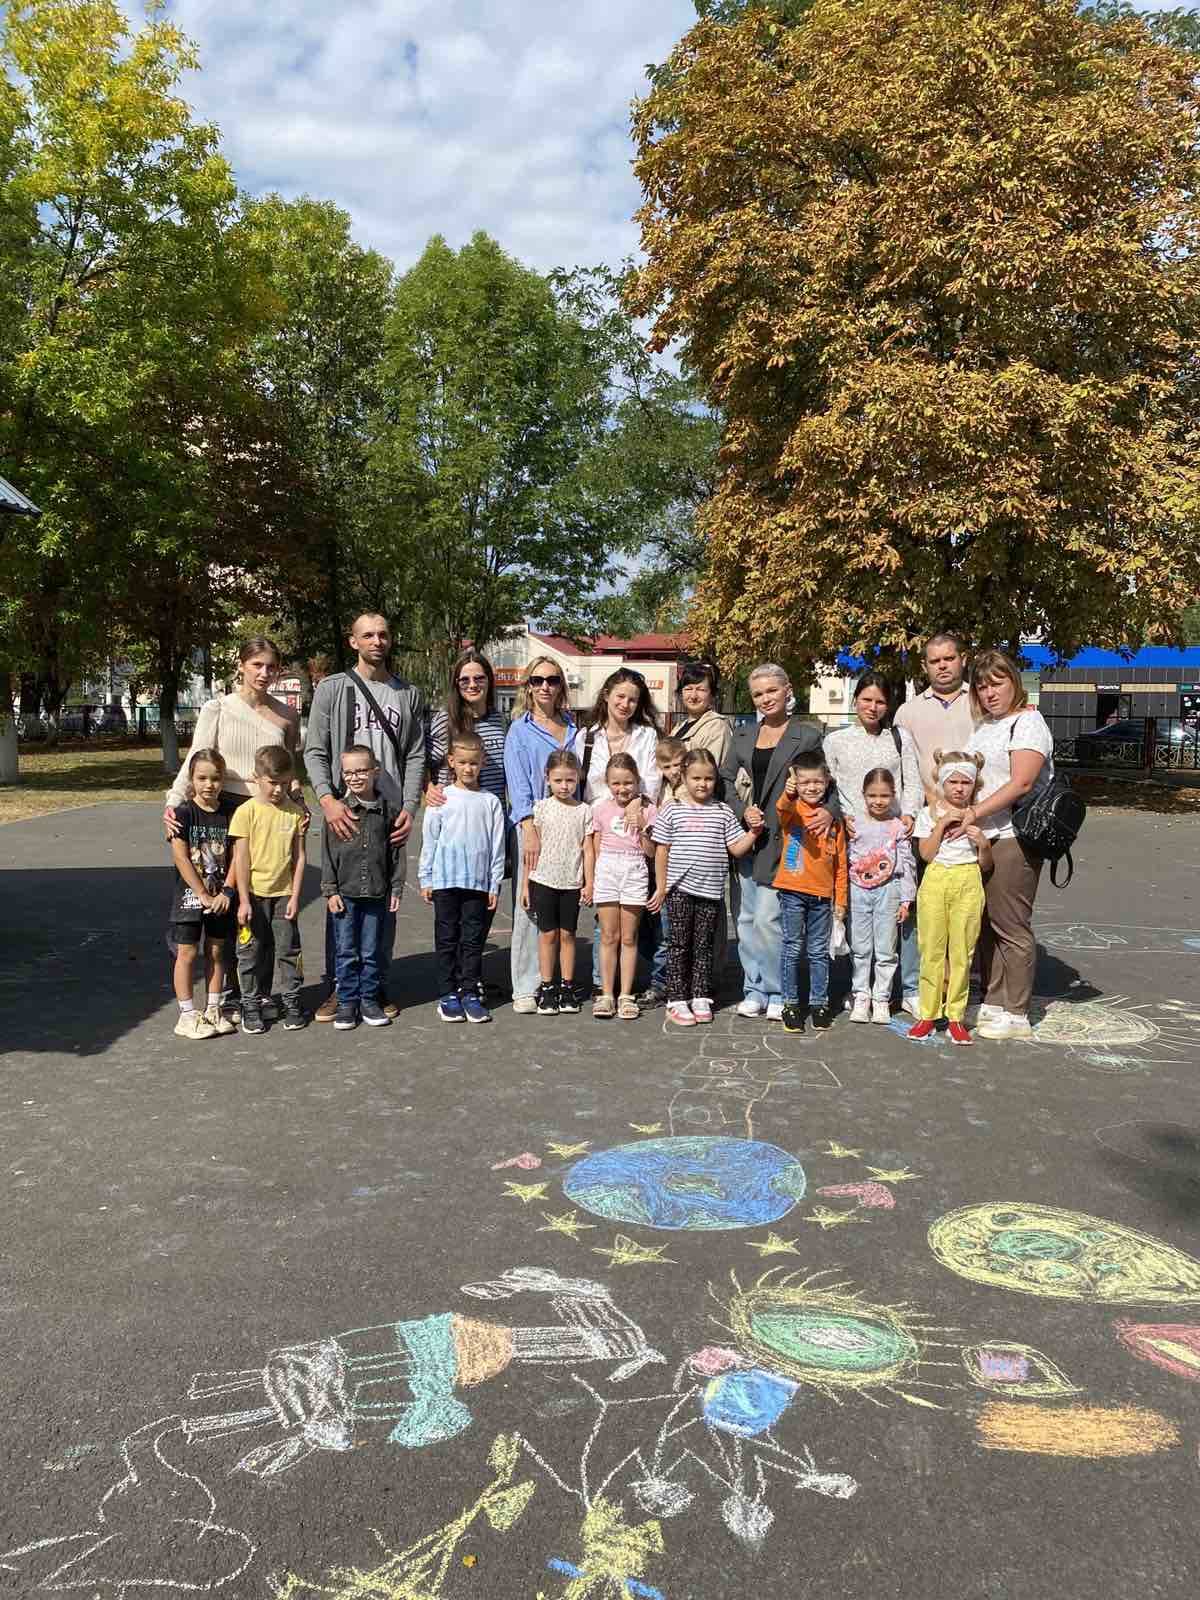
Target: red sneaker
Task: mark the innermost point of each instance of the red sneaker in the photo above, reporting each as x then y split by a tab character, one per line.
922	1030
958	1034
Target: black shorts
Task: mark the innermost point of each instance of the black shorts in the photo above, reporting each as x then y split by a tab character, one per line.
216	930
552	909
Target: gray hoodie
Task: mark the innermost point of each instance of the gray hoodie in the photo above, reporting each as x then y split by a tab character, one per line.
331	731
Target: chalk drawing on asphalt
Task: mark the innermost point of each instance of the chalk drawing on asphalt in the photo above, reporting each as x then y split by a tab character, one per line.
841	1152
829	1217
1090	1432
773	1245
1118	938
567	1152
527	1161
894	1175
1004	1367
568	1224
697	1183
627	1252
525	1192
873	1196
732	1074
1174	1346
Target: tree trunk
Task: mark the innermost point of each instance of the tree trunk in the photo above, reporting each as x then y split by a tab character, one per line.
9	768
168	699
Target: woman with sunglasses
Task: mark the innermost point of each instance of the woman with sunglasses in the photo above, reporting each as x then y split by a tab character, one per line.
470	708
543	726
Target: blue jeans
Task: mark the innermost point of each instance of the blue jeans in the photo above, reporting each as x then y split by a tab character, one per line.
910	955
653	933
874	932
806	919
759	933
358	934
387	940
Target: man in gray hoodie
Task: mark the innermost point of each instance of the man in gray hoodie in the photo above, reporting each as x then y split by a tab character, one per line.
394	728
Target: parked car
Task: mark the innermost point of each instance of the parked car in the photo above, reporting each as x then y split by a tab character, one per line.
111	719
1098	745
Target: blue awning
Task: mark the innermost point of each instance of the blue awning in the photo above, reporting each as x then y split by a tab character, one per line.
15	503
1043	660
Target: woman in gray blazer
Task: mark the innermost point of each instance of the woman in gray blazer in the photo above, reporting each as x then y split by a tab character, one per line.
755	771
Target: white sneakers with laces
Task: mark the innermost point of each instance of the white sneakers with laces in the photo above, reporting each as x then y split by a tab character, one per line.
194	1025
775	1011
881	1012
860	1011
751	1006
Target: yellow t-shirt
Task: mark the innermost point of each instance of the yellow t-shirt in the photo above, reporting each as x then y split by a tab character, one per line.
269	831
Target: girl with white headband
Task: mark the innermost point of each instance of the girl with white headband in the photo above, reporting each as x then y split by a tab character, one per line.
950	899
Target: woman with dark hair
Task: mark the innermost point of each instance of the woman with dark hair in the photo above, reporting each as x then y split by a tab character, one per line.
868	744
703	727
622	722
470	708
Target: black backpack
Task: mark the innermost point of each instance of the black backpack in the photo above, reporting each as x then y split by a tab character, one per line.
1048	823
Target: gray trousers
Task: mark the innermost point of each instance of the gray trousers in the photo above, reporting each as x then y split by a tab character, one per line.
273	938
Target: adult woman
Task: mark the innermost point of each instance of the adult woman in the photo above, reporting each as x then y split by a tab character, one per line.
240	723
757	766
622	722
869	743
1018	760
470	708
543	725
703	727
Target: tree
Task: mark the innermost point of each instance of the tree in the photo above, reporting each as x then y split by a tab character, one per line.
937	266
1191	625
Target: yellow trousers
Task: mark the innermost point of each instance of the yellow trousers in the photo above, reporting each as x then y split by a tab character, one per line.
949	914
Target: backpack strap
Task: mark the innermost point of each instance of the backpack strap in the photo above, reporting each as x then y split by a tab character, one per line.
1066	856
589	741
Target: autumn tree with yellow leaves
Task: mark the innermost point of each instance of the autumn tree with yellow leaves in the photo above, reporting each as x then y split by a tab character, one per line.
937	265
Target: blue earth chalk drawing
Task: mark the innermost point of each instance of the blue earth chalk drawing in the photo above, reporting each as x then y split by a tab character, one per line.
698	1183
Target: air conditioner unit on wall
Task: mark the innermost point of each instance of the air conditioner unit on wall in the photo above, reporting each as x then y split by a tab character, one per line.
574	679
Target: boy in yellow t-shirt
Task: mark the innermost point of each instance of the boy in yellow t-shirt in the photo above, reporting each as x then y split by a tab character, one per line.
268	864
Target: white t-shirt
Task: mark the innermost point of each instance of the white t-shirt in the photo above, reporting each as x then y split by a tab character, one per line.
562	830
992	741
956	851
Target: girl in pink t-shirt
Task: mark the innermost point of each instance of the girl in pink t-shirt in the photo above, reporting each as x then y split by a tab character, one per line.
619	846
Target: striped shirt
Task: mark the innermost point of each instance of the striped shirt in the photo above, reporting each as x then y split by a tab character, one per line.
698	838
491	730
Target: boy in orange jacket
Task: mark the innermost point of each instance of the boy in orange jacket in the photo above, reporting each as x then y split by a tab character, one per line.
813	885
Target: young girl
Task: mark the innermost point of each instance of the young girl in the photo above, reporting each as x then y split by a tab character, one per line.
950	900
883	885
202	903
618	845
561	878
694	840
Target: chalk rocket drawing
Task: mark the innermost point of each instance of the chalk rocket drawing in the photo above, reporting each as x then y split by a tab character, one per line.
1118	938
153	1529
404	1379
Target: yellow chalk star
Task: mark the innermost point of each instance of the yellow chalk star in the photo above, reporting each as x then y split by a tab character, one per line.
525	1192
564	1151
568	1223
840	1150
827	1217
646	1127
773	1245
627	1252
894	1175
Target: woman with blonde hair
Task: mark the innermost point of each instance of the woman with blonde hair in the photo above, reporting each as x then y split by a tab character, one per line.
542	726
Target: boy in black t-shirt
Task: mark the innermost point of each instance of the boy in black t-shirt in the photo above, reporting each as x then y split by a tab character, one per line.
202	904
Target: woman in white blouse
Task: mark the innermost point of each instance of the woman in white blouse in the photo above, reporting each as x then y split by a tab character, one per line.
868	743
1018	760
623	722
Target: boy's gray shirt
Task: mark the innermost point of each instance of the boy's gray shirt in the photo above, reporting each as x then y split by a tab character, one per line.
367	866
331	731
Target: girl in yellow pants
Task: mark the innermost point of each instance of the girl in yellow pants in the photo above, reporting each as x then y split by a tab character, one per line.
950	899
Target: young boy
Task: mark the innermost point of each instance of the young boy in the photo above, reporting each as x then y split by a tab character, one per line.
655	928
813	881
460	872
268	864
668	757
362	879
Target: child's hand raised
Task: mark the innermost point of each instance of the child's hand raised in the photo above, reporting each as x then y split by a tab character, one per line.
791	788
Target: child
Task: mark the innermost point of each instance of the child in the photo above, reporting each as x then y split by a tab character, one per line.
269	862
883	885
618	848
654	933
812	884
669	758
201	904
461	870
561	879
362	879
694	840
950	899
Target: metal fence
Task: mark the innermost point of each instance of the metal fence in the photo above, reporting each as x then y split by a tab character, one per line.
106	722
1136	744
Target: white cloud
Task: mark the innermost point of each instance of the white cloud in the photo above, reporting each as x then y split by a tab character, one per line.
439	116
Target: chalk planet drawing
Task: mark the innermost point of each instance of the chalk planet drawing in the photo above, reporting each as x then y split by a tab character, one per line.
1174	1346
1092	1432
1004	1367
1062	1255
698	1183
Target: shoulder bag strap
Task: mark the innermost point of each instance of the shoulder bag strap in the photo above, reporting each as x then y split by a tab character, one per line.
589	740
1066	856
393	736
895	733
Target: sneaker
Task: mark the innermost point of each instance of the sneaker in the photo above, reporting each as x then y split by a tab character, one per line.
702	1010
774	1011
547	1000
194	1025
450	1009
994	1026
860	1011
751	1006
374	1014
389	1007
989	1014
1018	1026
922	1030
881	1011
911	1006
293	1019
218	1021
328	1009
793	1019
650	999
568	1000
680	1013
346	1016
958	1033
252	1019
473	1006
271	1009
822	1016
523	1004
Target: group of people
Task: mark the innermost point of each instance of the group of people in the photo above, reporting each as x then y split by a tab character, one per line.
809	834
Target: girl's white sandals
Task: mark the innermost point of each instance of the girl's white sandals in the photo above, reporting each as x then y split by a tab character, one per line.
627	1008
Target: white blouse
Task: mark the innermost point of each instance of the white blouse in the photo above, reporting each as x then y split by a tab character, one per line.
852	752
642	745
995	741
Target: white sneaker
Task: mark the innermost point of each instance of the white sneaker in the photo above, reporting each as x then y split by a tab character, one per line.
881	1011
990	1013
680	1013
751	1006
524	1005
1018	1026
860	1011
194	1025
994	1026
775	1011
702	1010
218	1021
912	1005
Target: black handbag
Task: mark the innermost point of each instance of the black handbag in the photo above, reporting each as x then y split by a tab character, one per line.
1048	823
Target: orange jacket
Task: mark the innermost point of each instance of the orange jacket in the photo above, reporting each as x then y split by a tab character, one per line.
809	865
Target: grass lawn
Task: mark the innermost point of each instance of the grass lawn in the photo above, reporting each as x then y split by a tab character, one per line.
75	775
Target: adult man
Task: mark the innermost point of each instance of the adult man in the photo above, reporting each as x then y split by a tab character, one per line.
384	712
939	718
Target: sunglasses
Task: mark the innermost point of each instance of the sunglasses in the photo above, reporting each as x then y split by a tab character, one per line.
539	682
471	683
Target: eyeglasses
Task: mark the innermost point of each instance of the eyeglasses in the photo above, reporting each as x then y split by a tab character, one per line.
471	683
538	682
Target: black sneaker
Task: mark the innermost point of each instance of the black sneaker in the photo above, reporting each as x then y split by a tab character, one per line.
822	1016
547	1000
252	1019
294	1019
346	1016
651	998
793	1019
568	1000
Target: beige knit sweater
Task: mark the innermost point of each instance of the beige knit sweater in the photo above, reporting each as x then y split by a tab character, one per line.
229	725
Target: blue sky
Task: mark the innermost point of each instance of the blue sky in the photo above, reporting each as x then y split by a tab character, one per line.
438	116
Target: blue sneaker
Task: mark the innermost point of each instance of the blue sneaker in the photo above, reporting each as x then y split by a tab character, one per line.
472	1004
346	1016
450	1009
374	1015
